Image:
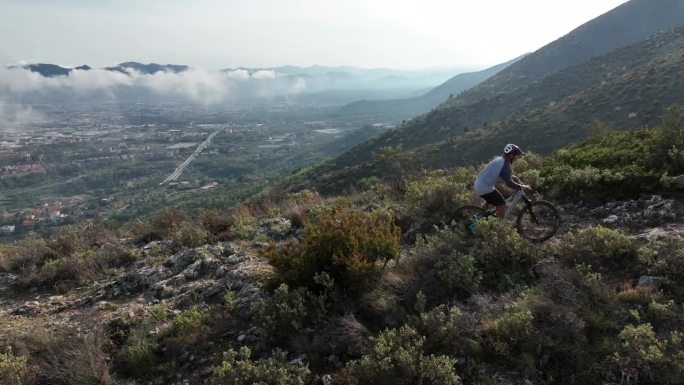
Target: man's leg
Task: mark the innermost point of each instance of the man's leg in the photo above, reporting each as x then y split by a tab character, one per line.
496	199
501	211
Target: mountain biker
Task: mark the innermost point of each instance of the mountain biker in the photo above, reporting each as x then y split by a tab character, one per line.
499	167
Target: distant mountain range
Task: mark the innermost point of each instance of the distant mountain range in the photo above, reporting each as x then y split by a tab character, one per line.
52	70
619	68
399	109
311	85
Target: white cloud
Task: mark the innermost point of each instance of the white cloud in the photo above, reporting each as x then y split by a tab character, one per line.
238	74
198	85
264	74
15	116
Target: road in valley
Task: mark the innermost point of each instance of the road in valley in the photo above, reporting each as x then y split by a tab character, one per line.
179	170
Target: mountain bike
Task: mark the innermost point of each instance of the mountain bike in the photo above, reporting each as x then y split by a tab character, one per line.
536	220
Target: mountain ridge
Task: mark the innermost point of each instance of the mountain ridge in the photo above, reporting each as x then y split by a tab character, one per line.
399	109
507	94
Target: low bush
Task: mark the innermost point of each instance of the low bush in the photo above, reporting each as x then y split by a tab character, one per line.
69	359
508	330
439	269
14	370
396	357
244	225
620	164
76	255
599	247
665	258
432	198
188	327
217	223
346	244
240	369
504	257
535	335
447	331
283	313
610	164
178	226
138	356
644	358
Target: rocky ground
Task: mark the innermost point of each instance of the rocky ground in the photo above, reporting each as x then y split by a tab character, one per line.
203	274
194	276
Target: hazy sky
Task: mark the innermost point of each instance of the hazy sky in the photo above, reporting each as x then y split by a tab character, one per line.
216	34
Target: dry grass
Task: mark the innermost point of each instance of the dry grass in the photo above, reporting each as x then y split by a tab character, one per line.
351	333
77	360
61	356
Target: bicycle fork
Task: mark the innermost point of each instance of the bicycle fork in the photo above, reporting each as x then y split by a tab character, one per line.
528	206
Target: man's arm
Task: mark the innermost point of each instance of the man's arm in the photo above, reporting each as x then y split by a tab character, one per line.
510	180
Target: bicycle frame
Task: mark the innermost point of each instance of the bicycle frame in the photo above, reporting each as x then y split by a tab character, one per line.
513	200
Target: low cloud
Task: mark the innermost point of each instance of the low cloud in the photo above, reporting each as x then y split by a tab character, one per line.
15	117
264	74
198	85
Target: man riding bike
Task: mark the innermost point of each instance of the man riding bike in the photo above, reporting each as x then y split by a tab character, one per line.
499	167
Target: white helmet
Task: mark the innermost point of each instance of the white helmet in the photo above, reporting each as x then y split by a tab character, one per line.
513	149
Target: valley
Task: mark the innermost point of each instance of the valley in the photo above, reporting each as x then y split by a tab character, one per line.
120	160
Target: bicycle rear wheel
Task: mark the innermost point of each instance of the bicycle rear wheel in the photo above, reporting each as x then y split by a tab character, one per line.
465	217
538	221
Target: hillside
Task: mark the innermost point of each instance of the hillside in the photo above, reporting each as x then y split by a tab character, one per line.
399	109
301	289
508	107
631	22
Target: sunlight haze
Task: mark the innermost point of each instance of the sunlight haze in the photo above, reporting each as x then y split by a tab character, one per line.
264	33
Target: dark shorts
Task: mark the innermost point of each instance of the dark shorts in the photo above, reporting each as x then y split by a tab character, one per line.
494	198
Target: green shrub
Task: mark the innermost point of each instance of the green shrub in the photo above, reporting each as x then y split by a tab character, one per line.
449	271
244	224
229	300
458	273
239	369
641	352
661	312
138	355
447	331
190	321
186	328
346	244
557	344
535	335
597	246
669	153
664	258
612	164
433	197
509	329
369	183
283	313
14	370
502	254
396	357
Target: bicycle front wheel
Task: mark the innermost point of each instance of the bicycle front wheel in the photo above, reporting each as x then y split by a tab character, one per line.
538	221
465	217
